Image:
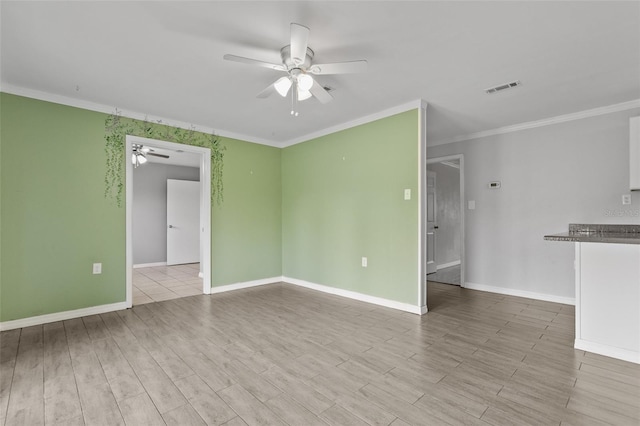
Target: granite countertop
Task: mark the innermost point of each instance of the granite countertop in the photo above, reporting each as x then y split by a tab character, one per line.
596	233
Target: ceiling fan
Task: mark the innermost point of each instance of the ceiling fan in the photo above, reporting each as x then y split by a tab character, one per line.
139	154
297	63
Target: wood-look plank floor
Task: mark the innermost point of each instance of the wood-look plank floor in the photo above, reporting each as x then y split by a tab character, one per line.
279	354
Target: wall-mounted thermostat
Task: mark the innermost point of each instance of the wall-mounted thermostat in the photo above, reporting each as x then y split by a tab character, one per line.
494	184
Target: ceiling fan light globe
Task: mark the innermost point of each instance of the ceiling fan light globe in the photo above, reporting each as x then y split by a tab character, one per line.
303	94
142	159
133	158
282	86
305	81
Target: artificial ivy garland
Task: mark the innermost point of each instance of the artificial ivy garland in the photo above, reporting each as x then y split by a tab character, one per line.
116	130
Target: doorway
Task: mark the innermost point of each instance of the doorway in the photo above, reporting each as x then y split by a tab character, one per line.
445	219
203	162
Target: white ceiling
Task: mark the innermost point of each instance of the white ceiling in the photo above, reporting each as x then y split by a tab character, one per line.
164	59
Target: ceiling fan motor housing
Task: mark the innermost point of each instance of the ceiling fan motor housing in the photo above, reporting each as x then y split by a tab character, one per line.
285	54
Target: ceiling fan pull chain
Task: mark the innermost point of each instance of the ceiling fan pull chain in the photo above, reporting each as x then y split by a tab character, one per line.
294	99
292	105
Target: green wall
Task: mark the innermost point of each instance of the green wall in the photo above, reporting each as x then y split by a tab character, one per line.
246	227
342	199
55	221
310	211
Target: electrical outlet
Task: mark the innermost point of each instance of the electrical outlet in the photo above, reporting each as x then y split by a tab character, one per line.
472	205
626	199
407	194
97	268
364	262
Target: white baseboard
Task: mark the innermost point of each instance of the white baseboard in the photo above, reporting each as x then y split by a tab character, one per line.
521	293
357	296
325	289
606	350
448	264
245	284
149	265
61	316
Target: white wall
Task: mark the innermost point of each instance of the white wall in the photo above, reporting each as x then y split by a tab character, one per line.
573	172
448	213
150	209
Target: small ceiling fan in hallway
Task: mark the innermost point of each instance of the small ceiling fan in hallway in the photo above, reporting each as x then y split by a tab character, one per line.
297	63
139	154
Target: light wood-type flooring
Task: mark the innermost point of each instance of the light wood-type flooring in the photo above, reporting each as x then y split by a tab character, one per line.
280	354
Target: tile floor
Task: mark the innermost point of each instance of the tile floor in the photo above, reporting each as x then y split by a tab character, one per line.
450	275
158	283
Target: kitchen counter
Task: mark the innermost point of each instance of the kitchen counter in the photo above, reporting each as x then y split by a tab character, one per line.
611	234
607	280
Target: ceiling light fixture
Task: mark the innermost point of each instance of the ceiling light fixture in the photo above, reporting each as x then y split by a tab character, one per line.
303	94
138	156
282	86
301	82
305	81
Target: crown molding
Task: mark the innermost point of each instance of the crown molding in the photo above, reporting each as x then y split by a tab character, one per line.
624	106
416	104
107	109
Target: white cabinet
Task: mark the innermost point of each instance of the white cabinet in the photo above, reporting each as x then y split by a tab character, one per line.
608	299
634	153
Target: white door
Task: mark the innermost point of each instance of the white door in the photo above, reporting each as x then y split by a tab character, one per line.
432	266
183	222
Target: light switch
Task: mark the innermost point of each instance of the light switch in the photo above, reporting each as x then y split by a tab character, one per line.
472	205
364	262
97	268
407	194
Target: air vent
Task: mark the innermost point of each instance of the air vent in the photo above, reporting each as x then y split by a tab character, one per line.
502	87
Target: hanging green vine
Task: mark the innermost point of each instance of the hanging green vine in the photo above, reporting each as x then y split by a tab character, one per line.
116	129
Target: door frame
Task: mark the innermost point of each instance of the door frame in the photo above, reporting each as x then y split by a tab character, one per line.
205	208
463	262
435	221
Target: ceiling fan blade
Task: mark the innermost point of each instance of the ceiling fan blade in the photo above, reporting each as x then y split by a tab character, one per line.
299	42
339	68
320	93
157	155
268	91
249	61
